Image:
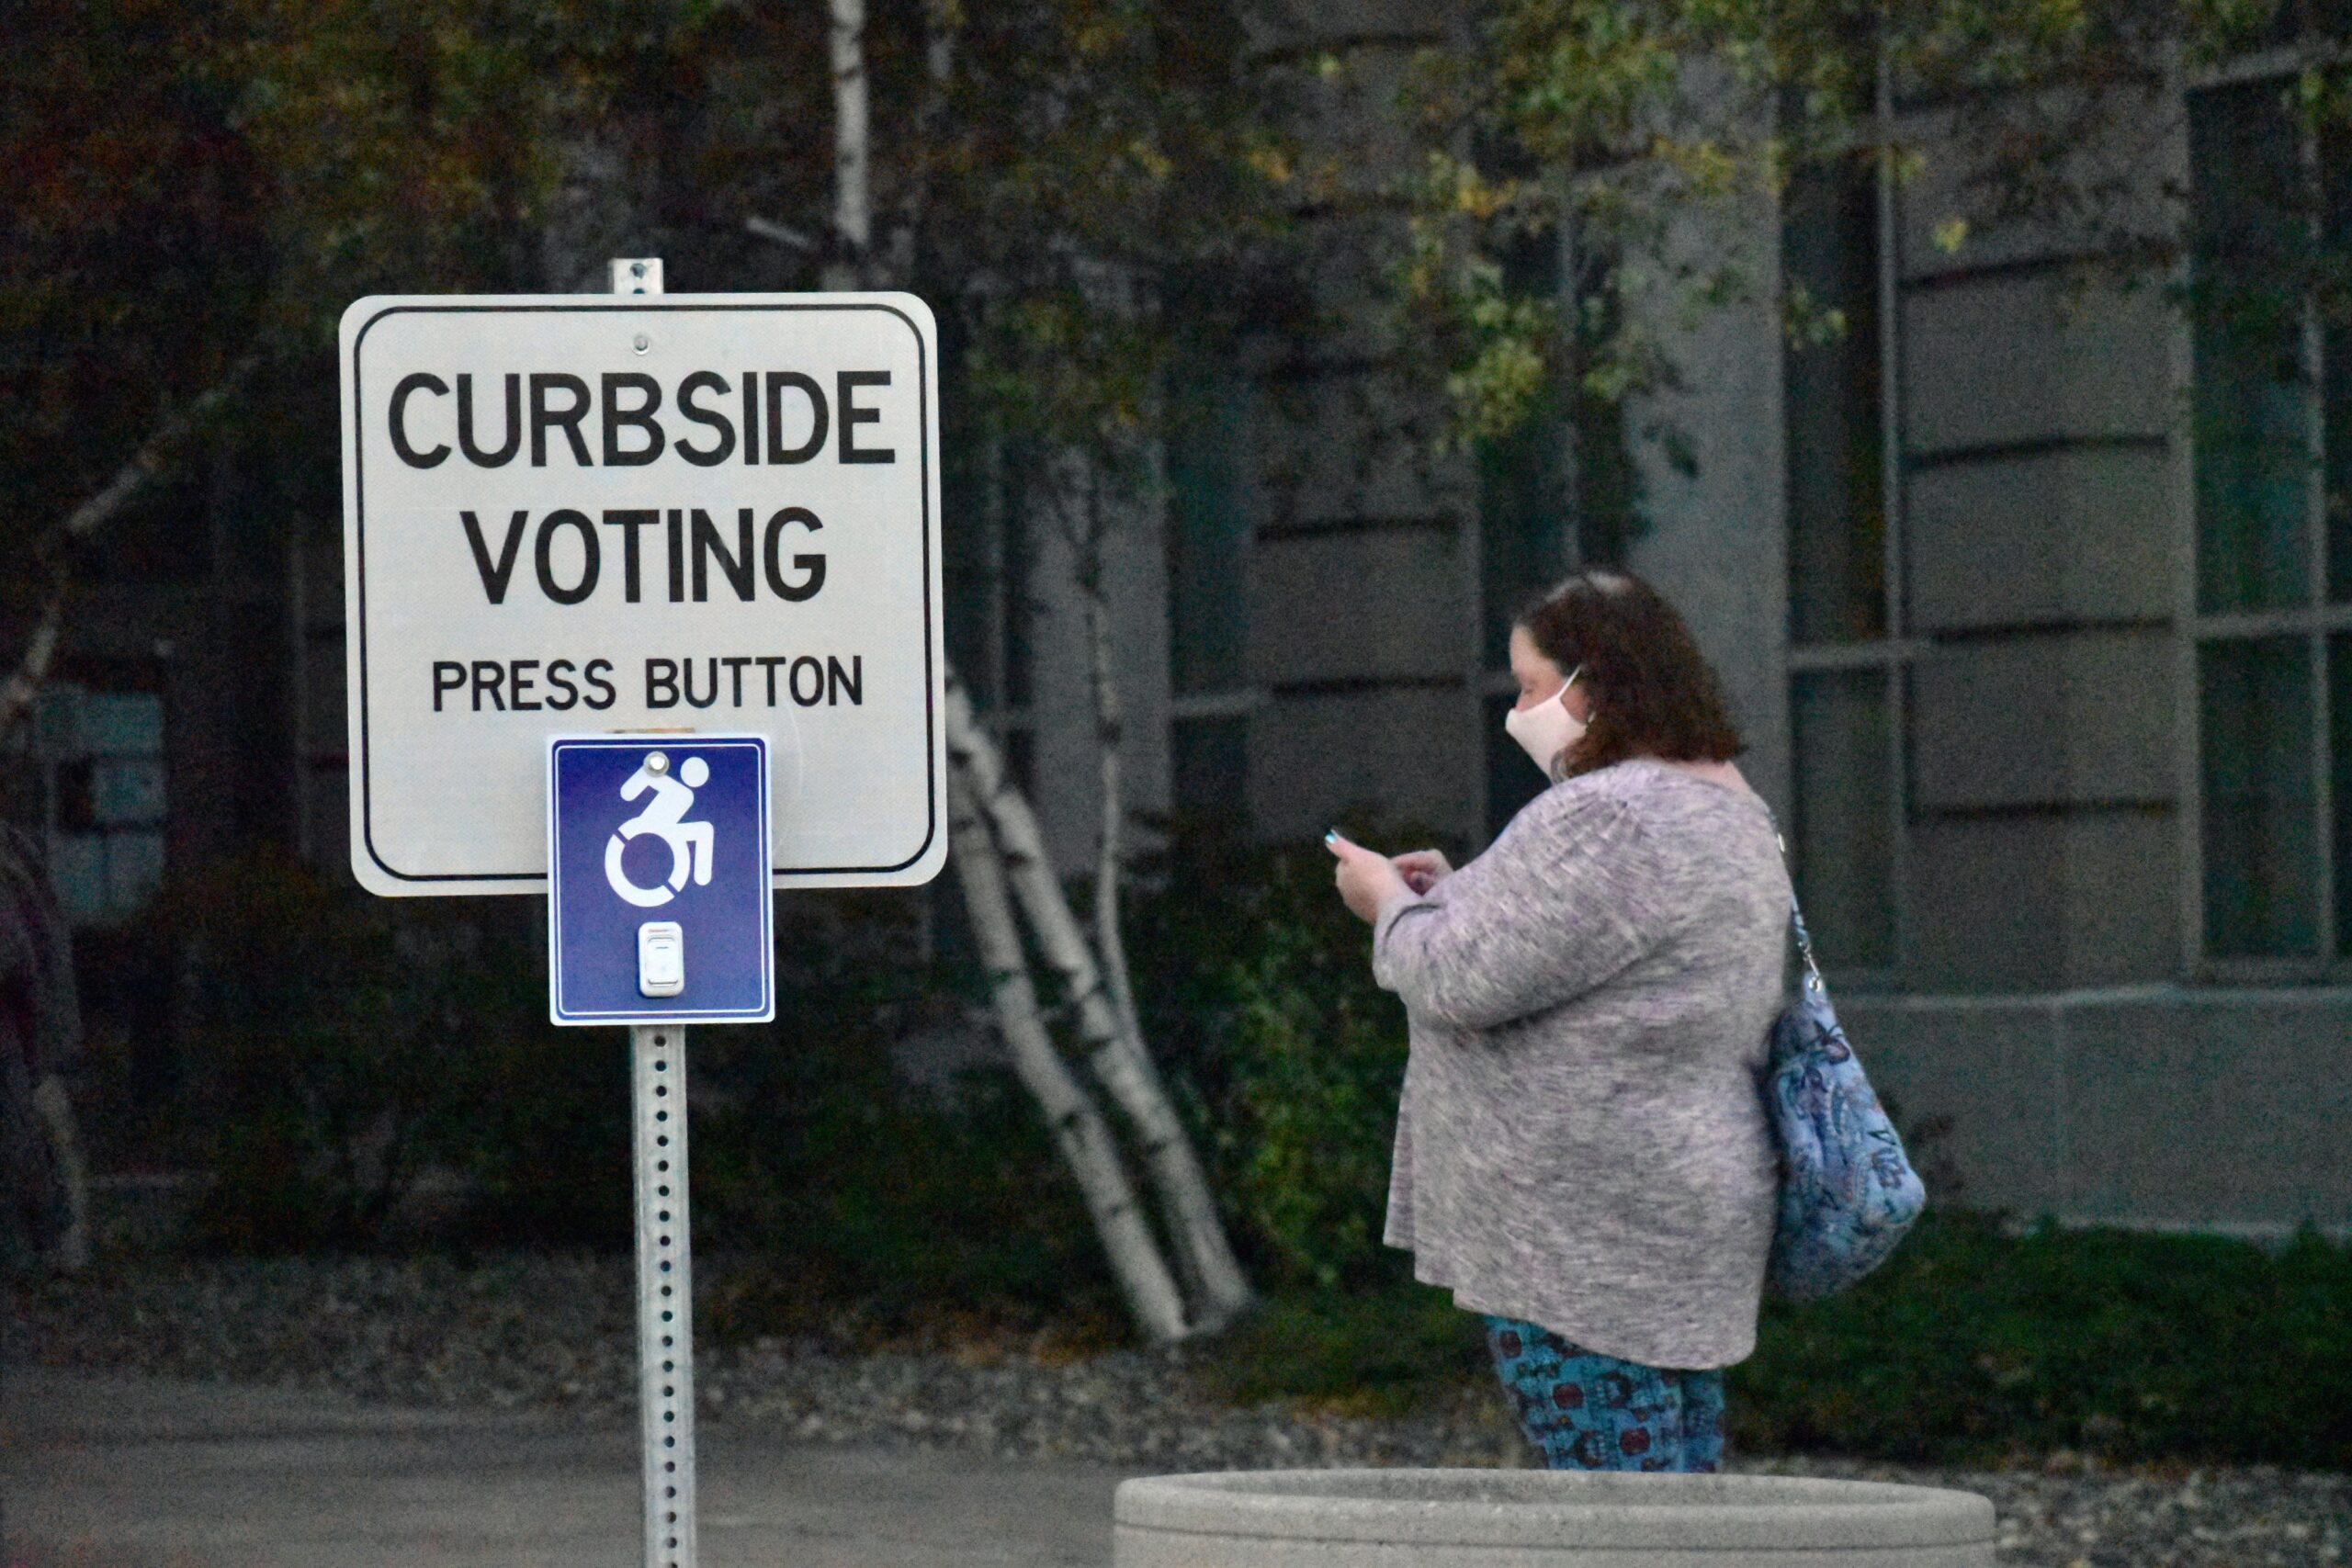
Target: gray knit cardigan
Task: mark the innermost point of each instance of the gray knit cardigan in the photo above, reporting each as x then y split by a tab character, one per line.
1581	1141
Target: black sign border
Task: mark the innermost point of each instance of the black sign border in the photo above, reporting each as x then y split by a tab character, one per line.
639	303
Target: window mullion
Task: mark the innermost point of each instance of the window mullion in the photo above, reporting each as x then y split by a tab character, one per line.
1890	302
992	581
2315	436
2274	623
2324	797
2279	61
2188	781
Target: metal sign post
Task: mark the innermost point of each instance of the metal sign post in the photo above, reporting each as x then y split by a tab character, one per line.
665	1283
660	913
665	1292
681	552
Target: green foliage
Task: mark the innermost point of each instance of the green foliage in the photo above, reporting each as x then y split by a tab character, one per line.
350	1044
1374	1353
419	146
1256	989
862	1192
195	183
129	262
1316	1074
1619	121
1971	1344
342	1044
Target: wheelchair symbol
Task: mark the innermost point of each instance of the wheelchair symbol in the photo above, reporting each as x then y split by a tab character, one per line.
664	817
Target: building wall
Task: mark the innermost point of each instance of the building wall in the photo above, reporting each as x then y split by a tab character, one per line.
1717	544
1364	599
1991	770
1977	709
2038	980
2160	1106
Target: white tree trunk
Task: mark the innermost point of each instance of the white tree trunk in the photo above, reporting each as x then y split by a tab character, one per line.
1116	1058
40	651
1086	1141
71	1253
135	475
1078	507
1115	1053
1110	732
1085	536
853	141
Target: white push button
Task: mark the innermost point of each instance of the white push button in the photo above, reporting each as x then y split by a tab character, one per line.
660	958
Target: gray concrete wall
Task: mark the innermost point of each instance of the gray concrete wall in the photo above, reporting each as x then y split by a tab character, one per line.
1718	543
2160	1107
2039	1004
2042	450
1363	597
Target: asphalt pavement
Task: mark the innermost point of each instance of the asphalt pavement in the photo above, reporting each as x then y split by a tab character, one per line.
110	1472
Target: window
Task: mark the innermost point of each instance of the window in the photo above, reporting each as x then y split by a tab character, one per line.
1522	549
2271	630
1843	839
1558	491
1847	657
988	576
99	755
1208	542
1835	415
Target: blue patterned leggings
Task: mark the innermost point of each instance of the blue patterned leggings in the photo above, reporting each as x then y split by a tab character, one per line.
1584	1411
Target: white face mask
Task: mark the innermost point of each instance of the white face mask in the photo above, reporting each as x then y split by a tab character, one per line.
1548	728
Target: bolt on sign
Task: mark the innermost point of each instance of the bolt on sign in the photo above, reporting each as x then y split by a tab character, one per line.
586	513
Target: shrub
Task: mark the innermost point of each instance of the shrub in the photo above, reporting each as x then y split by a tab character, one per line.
1255	987
1381	1352
1970	1343
348	1042
328	1037
851	1189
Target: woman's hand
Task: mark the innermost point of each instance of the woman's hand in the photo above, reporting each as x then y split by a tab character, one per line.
1364	876
1421	869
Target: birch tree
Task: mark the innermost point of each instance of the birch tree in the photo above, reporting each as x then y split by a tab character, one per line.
1086	1141
1093	979
52	555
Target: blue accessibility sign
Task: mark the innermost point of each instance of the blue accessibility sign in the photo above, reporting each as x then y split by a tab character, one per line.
658	901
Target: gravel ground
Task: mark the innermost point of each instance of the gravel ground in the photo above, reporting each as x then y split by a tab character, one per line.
557	1332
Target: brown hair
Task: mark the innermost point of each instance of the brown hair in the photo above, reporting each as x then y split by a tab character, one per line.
1651	690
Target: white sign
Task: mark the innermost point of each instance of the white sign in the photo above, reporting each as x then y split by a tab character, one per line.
678	512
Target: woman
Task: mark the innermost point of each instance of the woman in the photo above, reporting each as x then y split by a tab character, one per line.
1582	1153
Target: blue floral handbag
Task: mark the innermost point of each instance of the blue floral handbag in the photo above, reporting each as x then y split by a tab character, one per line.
1847	1192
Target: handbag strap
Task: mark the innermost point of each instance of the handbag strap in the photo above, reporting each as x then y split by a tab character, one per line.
1796	915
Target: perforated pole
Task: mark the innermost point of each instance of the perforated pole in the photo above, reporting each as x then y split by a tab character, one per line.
665	1291
665	1313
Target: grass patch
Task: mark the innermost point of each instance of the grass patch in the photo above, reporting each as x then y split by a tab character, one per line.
1381	1353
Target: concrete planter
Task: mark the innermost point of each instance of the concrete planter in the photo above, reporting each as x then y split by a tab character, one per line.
1513	1518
